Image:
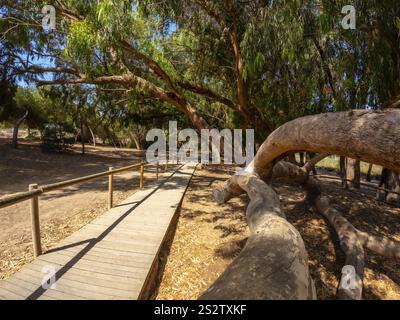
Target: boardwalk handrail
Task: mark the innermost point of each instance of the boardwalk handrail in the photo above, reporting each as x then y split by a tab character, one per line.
12	199
15	198
68	183
35	191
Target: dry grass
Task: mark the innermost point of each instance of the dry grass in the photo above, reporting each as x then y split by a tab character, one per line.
209	237
61	212
17	250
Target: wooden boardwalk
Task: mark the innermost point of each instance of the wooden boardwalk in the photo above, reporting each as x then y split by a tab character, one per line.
113	257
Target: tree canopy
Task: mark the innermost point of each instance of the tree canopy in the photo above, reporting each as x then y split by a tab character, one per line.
254	64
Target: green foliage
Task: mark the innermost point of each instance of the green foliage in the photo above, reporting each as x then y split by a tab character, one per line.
297	60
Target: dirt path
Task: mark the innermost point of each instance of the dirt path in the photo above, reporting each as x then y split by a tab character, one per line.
61	212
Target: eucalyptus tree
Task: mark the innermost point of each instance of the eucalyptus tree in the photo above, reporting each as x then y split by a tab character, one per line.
199	56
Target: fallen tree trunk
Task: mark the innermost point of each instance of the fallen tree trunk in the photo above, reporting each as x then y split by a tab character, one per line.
274	262
350	287
352	243
371	136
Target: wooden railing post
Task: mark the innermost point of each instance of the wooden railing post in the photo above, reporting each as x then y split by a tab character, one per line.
141	175
37	246
110	189
157	168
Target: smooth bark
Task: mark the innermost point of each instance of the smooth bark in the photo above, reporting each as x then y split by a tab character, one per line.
274	262
373	136
16	129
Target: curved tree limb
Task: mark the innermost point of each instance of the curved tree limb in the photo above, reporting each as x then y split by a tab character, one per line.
371	136
351	246
312	162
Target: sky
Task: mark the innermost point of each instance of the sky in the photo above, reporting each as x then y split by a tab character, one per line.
40	61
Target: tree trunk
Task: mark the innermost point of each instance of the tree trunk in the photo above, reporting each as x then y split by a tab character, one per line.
310	156
350	245
16	129
274	262
292	158
394	185
353	173
136	140
93	136
302	162
373	136
343	172
383	182
368	177
82	139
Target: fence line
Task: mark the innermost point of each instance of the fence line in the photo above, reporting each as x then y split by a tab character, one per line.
35	191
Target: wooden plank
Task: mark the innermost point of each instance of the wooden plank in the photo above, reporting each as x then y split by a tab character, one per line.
137	256
73	283
19	287
138	245
7	294
138	268
103	280
116	234
93	266
24	281
110	258
133	229
122	248
138	217
72	287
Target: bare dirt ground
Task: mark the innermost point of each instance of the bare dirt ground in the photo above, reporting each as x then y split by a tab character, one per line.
61	212
210	236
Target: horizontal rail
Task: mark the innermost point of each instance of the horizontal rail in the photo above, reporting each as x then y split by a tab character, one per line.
68	183
9	200
18	197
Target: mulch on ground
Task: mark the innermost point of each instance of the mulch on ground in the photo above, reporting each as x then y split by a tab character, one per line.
209	236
